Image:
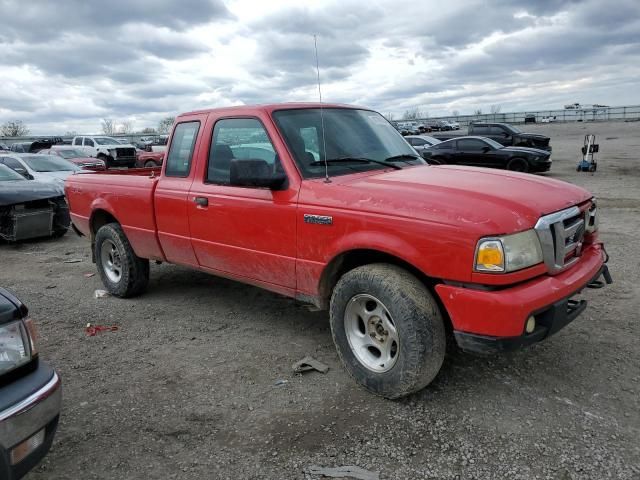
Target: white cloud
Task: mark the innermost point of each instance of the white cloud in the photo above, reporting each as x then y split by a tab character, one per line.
140	60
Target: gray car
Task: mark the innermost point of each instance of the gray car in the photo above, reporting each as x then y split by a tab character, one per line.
420	142
30	393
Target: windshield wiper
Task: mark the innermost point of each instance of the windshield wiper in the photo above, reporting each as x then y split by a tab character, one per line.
402	156
355	160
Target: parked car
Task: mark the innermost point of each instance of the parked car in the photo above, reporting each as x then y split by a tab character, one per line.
339	211
420	142
75	156
509	135
36	166
550	119
4	146
34	146
439	125
30	208
107	149
424	128
408	128
30	392
484	152
454	125
150	159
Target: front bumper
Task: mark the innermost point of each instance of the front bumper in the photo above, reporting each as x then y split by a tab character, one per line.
494	320
30	404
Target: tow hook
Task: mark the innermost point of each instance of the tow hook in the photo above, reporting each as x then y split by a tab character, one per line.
596	283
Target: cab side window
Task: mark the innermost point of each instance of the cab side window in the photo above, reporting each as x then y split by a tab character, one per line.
78	141
181	149
242	139
89	143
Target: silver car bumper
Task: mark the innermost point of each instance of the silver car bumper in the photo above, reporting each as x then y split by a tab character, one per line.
31	414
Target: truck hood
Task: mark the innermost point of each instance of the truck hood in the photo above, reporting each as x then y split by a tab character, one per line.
490	202
534	136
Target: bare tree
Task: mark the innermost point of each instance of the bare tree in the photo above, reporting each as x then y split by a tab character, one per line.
496	108
108	126
165	124
126	127
71	133
389	116
477	111
414	114
14	128
455	113
148	130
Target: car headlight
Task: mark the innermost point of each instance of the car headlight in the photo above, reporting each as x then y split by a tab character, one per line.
508	253
16	345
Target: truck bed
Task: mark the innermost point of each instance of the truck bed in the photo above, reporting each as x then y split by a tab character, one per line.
124	195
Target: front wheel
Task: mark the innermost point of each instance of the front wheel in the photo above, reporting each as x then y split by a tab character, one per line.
388	330
123	273
150	164
518	165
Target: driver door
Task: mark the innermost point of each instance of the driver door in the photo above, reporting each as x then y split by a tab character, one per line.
244	232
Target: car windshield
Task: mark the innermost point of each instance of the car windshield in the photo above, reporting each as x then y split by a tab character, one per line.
48	163
106	141
351	137
513	129
70	153
492	142
6	174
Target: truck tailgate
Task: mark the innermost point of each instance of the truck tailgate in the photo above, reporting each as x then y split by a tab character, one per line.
125	195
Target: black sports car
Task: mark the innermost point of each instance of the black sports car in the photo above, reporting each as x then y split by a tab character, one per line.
484	152
30	208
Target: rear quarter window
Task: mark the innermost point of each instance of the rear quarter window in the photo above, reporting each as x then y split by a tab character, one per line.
181	149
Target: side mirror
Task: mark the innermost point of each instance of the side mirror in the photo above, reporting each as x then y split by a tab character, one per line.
485	149
255	173
505	134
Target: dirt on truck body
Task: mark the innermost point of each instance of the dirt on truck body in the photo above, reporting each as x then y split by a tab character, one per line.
399	252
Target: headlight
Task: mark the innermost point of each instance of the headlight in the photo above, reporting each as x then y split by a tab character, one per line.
508	253
15	346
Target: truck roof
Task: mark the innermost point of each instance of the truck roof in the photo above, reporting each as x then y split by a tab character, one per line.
271	107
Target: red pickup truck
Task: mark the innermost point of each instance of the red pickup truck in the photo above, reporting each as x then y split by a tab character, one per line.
330	205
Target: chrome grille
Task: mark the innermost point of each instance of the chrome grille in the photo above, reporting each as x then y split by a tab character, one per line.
561	236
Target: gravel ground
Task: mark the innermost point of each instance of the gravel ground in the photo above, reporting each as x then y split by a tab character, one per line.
186	388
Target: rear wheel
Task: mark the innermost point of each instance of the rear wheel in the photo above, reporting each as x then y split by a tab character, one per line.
123	273
518	165
387	329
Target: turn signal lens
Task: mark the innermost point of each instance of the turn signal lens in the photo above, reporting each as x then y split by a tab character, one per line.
490	256
33	336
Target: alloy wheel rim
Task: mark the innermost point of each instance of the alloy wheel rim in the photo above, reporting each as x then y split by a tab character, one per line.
111	261
371	333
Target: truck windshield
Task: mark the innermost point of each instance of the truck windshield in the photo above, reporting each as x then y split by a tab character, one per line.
513	129
348	133
106	141
47	163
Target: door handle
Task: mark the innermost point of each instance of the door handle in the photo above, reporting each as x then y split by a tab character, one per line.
201	201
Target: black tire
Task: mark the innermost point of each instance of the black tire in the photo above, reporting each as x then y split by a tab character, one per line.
417	320
59	232
106	160
518	165
435	161
150	164
134	275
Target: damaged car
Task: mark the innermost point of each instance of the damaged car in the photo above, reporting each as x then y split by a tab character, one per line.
30	208
45	168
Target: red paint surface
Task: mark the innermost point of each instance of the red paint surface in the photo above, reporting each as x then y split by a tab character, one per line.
429	217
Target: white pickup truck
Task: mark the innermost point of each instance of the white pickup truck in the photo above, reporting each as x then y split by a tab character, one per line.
113	153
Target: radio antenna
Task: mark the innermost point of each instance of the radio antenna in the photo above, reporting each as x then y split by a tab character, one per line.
324	143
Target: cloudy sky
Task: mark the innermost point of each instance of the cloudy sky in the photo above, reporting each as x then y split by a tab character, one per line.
66	64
